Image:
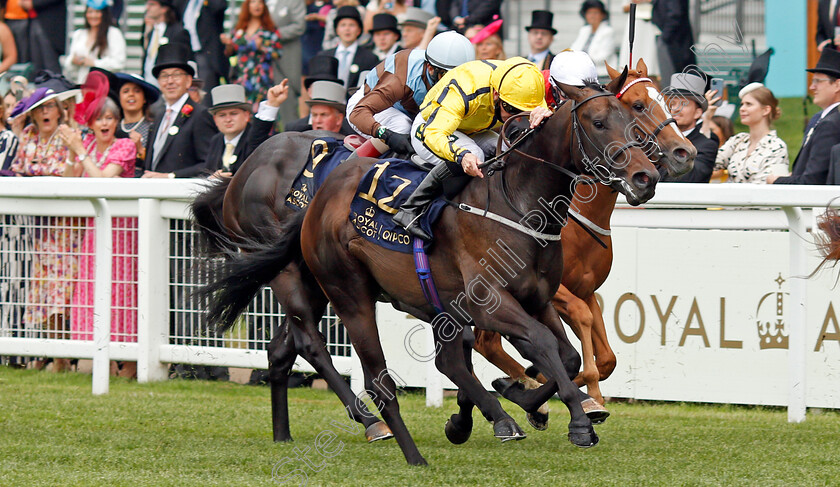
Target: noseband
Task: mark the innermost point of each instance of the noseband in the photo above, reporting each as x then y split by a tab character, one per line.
651	138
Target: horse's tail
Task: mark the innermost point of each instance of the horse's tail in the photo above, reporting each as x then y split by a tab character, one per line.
206	210
829	243
245	273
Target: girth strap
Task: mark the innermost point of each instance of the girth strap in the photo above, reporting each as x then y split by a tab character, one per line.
424	273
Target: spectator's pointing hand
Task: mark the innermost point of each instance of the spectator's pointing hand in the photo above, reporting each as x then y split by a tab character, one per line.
277	94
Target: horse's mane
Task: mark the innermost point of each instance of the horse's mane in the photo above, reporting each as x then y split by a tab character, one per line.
593	84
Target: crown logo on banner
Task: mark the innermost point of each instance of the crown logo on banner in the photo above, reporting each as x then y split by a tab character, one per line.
770	320
369	212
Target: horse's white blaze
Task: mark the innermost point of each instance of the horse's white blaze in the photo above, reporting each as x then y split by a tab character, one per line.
659	99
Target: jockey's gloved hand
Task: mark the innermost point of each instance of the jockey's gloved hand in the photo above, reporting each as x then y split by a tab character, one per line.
399	143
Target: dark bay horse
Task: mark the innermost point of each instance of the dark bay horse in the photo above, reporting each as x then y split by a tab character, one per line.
585	265
354	273
251	207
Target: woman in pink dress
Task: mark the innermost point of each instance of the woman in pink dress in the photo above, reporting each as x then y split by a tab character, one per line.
56	239
102	155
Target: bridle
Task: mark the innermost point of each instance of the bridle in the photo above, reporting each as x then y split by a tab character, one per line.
650	138
499	162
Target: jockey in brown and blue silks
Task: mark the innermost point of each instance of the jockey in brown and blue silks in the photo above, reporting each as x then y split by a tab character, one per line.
393	91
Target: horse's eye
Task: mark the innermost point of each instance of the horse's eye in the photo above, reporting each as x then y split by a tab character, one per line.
598	124
639	107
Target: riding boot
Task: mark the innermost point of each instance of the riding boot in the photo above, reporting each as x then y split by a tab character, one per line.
410	212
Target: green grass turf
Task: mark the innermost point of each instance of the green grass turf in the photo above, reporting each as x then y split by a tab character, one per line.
181	433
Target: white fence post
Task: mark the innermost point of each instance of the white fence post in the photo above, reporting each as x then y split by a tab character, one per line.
152	290
102	297
434	383
798	314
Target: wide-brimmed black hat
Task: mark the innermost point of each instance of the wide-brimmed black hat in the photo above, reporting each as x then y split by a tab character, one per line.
385	22
173	55
117	80
322	68
347	12
542	19
829	63
594	4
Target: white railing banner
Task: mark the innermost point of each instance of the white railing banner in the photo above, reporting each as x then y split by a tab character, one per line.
708	298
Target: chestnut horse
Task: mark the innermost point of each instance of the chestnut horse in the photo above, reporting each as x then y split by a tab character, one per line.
250	207
354	273
586	265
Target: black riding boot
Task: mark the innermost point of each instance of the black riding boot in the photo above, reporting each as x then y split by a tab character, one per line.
410	212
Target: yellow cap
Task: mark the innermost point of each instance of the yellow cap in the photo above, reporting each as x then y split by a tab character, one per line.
519	83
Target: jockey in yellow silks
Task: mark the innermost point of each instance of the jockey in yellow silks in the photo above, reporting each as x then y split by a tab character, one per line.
454	130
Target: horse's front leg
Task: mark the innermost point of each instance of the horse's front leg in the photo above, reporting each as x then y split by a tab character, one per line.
455	361
538	344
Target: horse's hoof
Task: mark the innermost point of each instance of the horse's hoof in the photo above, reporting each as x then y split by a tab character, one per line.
418	462
532	371
287	439
538	420
596	413
456	432
507	430
583	437
503	385
378	431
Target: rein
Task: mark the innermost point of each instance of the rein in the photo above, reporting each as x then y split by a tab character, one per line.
499	162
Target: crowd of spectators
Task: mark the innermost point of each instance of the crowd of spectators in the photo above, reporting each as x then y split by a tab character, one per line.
294	64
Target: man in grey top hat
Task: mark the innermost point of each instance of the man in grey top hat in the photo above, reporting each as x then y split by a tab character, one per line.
239	135
326	110
418	27
686	103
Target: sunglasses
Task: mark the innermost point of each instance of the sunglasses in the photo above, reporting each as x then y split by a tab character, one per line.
510	108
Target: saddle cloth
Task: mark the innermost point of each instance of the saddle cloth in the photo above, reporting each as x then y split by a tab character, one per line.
325	155
381	192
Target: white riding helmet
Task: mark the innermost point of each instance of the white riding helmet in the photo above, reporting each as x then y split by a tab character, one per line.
572	68
449	50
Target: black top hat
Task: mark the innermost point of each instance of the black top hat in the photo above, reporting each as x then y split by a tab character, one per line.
385	22
594	4
542	19
829	63
56	82
322	68
173	55
347	12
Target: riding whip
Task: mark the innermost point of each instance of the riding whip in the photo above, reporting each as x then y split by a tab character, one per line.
632	31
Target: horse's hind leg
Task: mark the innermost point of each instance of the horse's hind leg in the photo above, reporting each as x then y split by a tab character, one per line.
281	358
304	309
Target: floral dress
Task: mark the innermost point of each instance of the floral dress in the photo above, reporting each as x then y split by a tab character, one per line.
254	56
56	240
770	156
123	264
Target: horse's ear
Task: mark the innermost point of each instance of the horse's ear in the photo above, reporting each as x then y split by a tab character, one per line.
641	67
616	84
612	71
571	91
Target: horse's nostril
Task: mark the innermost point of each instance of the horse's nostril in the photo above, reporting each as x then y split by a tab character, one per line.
680	155
641	179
